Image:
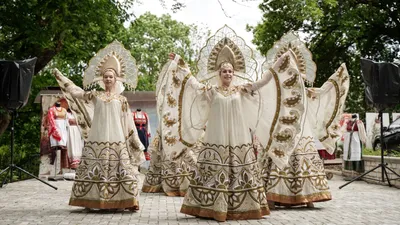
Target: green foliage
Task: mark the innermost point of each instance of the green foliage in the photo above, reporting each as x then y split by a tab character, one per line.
337	32
151	39
66	34
72	30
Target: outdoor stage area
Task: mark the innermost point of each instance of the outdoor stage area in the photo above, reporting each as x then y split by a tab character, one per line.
31	202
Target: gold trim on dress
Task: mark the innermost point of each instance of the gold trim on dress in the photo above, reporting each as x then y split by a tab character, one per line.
300	199
336	109
105	204
223	216
169	122
285	64
152	189
171	101
291	81
170	140
278	106
227	91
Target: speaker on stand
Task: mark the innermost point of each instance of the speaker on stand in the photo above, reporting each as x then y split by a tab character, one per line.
382	90
15	85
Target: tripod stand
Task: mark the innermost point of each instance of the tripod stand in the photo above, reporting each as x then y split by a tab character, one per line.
382	165
12	165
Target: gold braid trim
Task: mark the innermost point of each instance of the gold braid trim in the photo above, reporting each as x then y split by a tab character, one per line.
333	116
223	216
278	104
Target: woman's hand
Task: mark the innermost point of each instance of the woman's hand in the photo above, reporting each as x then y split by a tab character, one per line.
311	93
57	73
171	56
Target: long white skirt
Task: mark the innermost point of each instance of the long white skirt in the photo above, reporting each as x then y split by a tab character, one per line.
352	147
74	145
61	125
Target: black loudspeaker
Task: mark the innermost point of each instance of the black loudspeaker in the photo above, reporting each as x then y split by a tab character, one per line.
15	85
15	82
382	83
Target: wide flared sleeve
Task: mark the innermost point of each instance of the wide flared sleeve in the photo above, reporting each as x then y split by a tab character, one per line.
79	101
182	108
134	144
275	110
194	106
325	107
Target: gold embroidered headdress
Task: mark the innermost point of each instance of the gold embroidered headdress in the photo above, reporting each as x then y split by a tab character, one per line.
114	56
226	47
290	41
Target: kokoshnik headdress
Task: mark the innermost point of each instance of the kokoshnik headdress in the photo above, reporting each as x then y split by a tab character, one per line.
226	46
114	56
291	42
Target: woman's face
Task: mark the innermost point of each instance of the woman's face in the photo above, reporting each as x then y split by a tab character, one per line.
226	74
109	79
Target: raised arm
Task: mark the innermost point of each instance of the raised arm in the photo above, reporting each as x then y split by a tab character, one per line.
68	86
191	81
262	82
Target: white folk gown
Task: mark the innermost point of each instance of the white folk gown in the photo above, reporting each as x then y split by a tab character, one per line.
225	181
107	176
303	179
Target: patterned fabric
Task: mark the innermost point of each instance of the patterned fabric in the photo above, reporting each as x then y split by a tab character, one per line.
105	178
302	181
168	176
226	184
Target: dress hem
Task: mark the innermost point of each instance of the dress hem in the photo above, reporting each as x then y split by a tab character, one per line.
299	199
223	216
152	189
176	193
98	204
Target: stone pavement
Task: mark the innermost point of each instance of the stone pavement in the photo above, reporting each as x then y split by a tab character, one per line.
31	202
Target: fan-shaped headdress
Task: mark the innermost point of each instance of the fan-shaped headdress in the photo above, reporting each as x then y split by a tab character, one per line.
226	46
290	41
115	57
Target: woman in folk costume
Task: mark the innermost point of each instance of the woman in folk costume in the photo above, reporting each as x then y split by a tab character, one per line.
354	139
107	177
75	141
303	179
226	181
166	173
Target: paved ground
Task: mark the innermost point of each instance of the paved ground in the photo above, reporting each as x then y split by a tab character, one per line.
31	202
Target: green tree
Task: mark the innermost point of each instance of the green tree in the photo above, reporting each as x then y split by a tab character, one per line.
67	28
67	32
151	39
336	31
